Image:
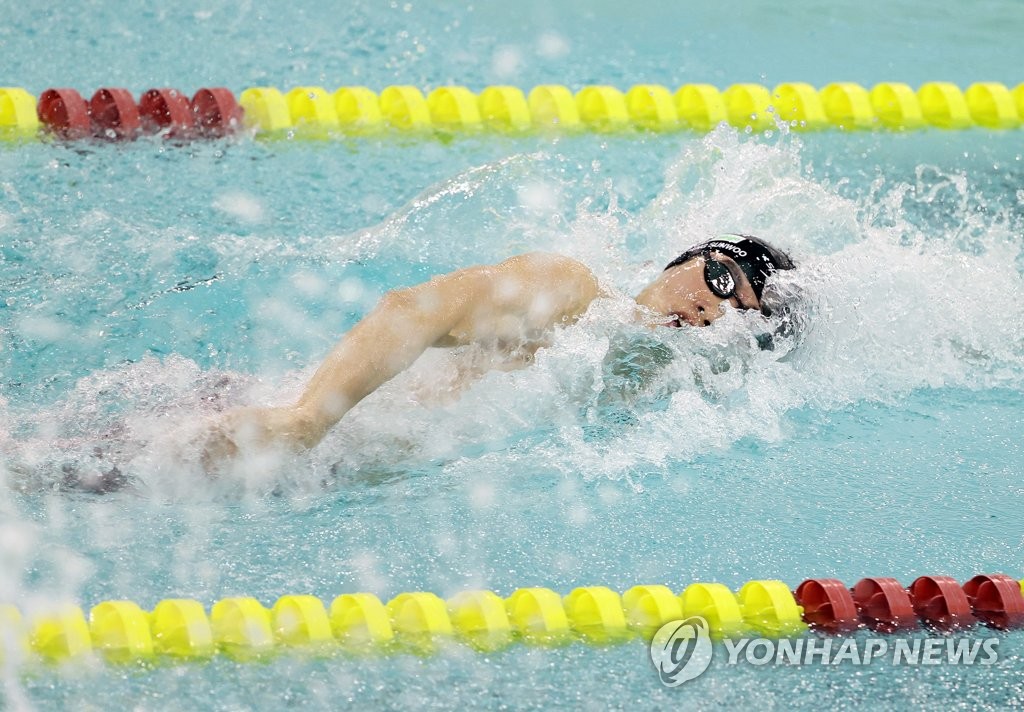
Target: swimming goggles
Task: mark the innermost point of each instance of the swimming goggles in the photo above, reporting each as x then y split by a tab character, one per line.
751	257
719	278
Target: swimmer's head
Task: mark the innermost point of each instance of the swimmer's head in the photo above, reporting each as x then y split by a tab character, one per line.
734	270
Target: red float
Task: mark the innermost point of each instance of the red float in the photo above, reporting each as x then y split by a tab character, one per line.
166	110
996	600
884	605
216	112
114	114
828	605
941	603
65	113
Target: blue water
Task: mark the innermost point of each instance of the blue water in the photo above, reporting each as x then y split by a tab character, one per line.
242	44
148	286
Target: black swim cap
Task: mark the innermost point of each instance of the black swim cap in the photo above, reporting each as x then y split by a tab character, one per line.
755	257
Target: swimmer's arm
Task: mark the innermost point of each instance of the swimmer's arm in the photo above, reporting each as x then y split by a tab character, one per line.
383	344
408	321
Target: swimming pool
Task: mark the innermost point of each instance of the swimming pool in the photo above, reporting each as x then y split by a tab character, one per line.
146	283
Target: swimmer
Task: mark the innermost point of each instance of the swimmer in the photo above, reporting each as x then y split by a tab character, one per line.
512	307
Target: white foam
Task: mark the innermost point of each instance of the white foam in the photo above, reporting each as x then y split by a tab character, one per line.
242	206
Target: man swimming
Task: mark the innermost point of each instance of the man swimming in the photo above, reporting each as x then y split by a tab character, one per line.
512	306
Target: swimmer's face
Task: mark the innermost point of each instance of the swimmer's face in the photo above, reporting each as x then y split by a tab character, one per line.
683	294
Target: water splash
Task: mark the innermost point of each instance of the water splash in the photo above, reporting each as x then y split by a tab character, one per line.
889	309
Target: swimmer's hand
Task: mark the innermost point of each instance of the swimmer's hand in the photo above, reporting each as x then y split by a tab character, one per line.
252	431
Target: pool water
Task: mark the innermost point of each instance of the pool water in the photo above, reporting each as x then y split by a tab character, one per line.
148	286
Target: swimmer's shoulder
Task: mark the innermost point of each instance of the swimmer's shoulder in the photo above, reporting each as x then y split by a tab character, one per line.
549	269
527	294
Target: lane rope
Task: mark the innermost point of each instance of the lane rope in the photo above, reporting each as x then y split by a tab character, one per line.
244	629
314	112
